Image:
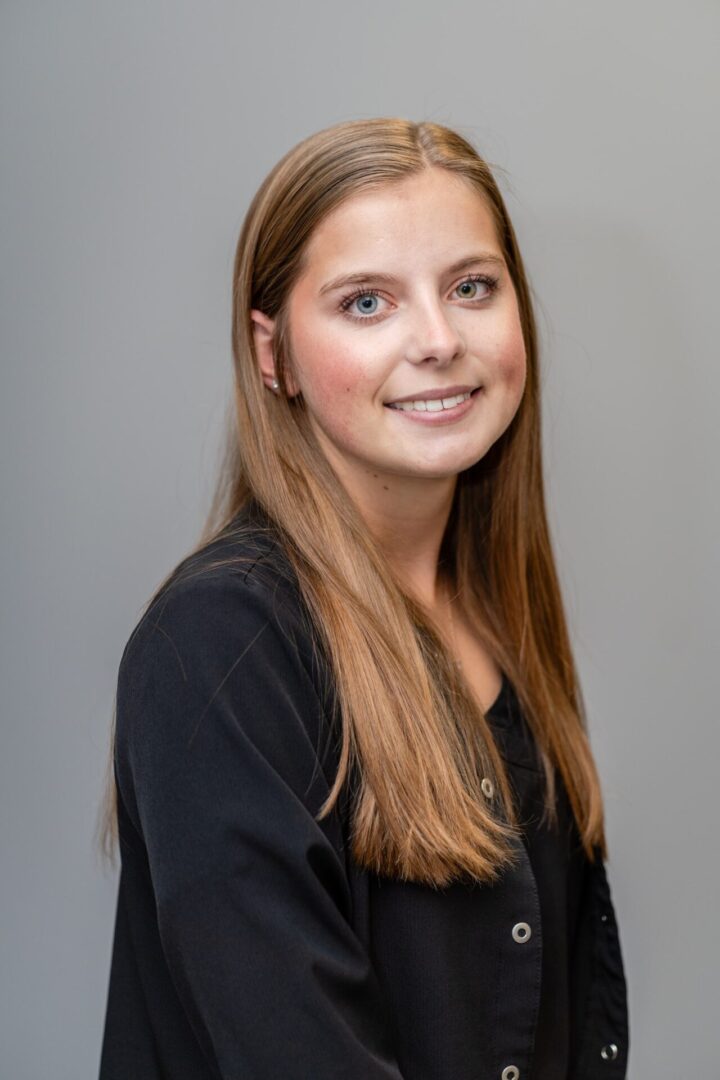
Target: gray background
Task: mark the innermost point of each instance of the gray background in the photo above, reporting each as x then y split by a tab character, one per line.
133	136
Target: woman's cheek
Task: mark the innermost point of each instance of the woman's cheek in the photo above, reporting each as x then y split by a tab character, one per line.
517	371
343	379
511	361
331	391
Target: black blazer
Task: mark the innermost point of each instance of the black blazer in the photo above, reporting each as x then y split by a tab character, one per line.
247	943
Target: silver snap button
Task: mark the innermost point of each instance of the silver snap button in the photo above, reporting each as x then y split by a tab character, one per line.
603	918
609	1052
521	932
510	1072
487	788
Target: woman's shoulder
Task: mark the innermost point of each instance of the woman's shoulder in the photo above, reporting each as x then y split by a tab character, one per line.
219	685
220	601
247	554
225	646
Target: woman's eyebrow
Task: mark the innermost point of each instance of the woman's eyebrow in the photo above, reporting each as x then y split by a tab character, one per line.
360	277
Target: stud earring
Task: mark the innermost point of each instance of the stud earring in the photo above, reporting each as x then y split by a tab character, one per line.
275	385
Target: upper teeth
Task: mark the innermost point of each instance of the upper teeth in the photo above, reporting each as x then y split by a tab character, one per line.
431	404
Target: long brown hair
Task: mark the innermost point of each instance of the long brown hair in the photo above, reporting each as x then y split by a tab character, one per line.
412	732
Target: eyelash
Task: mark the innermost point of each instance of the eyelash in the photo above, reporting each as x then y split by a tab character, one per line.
484	279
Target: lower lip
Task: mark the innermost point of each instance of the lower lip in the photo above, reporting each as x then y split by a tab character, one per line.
441	416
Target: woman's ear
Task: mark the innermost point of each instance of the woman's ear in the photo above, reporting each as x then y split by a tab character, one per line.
263	332
263	329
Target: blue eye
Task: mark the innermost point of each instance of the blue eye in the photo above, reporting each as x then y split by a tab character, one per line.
364	295
364	302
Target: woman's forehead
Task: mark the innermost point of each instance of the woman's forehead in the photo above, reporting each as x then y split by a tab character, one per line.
439	219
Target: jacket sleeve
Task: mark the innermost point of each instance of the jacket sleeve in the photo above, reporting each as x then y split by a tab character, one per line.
218	724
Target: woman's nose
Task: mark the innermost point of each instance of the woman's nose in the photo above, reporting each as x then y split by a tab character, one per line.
433	334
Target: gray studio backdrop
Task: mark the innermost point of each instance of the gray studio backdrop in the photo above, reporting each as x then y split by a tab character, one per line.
133	136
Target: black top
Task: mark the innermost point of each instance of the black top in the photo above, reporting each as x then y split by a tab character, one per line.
249	945
559	866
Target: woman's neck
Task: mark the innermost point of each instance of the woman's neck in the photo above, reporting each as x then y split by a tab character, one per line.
410	536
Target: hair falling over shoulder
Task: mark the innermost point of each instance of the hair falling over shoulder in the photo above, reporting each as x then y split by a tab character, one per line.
412	734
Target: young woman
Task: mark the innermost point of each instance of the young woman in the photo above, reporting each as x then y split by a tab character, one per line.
360	824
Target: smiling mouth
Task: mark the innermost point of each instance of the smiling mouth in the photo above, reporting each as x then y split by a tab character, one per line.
432	404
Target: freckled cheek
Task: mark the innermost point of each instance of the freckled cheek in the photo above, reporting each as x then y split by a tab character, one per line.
335	386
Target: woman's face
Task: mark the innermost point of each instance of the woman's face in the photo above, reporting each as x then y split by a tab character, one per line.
432	309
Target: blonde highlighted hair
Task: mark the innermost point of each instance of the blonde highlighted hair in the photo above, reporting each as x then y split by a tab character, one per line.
412	731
